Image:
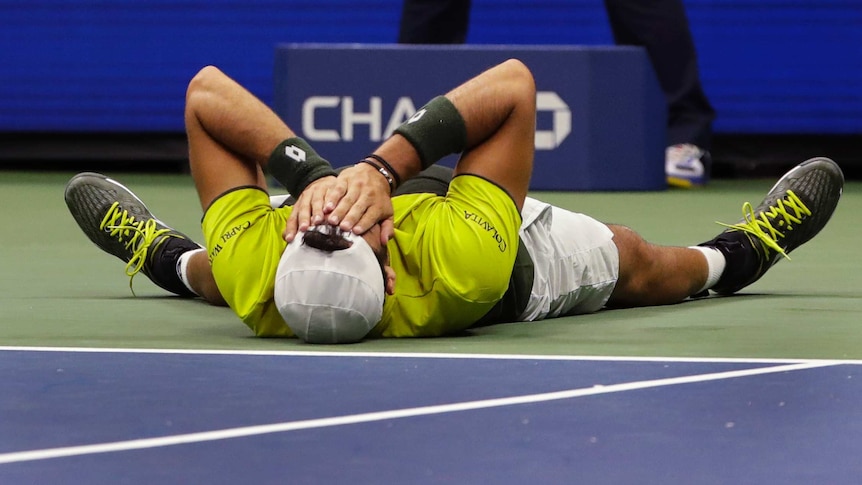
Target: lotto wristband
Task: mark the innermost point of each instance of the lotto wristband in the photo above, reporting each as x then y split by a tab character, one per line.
296	165
436	130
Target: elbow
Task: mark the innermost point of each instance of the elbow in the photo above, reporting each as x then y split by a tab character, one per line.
520	78
203	82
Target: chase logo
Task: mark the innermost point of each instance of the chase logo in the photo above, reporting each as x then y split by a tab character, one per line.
562	120
334	118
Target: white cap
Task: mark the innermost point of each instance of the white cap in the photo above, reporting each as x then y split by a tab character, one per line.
329	297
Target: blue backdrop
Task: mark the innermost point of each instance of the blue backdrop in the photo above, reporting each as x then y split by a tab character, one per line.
600	123
769	66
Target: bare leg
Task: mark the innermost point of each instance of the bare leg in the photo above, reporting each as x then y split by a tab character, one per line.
201	279
654	275
231	133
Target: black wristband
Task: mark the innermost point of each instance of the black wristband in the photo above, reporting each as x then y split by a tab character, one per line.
436	130
388	167
296	165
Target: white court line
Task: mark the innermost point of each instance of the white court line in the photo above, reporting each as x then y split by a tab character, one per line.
422	355
229	433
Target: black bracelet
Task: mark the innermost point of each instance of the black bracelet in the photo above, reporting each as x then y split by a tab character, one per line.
388	167
382	171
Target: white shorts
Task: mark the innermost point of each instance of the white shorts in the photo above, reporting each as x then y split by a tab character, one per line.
576	261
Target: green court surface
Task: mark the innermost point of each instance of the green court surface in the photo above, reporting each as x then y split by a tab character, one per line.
57	289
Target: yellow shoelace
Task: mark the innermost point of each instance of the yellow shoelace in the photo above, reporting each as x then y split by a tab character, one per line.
763	227
137	236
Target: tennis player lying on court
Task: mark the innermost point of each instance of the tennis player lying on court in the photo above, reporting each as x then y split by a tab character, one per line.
380	250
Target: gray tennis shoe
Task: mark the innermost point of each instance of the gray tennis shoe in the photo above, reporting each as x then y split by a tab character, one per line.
796	208
119	223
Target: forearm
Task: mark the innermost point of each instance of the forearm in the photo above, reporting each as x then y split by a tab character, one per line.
467	117
436	130
402	157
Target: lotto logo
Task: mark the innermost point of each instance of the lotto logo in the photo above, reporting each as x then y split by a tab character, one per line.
417	116
295	153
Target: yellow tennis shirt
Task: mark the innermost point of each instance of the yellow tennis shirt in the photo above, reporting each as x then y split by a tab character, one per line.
244	239
452	255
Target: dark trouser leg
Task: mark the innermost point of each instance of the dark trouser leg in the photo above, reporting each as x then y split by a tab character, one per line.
661	27
434	22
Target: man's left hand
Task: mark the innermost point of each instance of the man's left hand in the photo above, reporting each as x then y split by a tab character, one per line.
355	201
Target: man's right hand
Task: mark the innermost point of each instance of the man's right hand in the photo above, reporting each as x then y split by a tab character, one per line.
308	209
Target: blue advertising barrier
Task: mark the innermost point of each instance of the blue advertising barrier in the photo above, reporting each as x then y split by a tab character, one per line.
601	122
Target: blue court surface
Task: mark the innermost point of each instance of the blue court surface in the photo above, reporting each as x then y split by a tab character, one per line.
174	416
